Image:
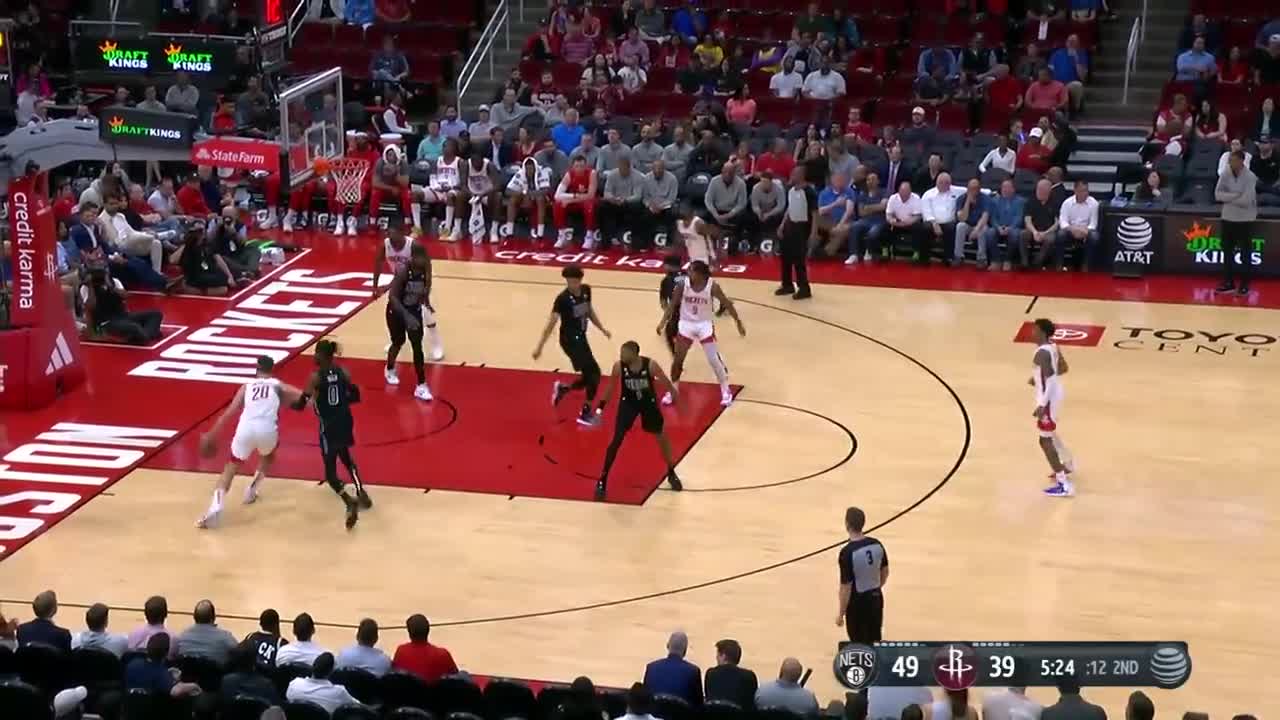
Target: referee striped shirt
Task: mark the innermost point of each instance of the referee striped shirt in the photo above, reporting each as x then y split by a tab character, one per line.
861	562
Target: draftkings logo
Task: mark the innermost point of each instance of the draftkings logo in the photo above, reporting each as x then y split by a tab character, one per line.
1205	248
1064	334
188	61
118	126
115	57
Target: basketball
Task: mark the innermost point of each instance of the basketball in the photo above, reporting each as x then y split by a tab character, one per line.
320	165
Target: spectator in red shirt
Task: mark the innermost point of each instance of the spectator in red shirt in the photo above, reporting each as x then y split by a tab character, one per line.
1005	92
777	161
1033	155
224	120
191	199
427	661
858	127
64	205
1046	93
542	45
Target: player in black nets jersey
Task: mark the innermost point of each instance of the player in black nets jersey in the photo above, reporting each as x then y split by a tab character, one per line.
639	399
573	310
332	393
409	292
671	264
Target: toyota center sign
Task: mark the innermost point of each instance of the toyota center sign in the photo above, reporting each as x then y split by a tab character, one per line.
239	153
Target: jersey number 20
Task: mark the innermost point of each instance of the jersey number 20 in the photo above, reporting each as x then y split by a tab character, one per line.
260	392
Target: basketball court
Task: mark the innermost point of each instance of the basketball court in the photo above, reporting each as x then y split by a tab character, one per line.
910	403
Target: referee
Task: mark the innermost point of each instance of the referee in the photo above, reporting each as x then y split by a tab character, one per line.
864	569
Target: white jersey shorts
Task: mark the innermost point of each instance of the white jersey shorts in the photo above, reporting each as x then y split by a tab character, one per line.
249	440
695	331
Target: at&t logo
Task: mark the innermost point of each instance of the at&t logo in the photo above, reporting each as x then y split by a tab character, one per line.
1133	236
955	667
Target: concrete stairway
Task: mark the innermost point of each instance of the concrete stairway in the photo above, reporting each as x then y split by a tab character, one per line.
483	89
1154	66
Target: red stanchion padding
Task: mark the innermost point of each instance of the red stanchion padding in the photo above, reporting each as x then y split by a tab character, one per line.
42	358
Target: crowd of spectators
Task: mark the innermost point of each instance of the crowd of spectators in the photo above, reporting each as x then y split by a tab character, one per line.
737	169
1221	98
204	672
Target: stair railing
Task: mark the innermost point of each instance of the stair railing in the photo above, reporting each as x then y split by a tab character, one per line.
1131	55
297	17
482	53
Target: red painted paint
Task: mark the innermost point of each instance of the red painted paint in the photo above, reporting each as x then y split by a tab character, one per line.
489	430
1064	334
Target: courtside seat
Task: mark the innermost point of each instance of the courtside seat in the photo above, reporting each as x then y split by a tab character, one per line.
508	698
362	684
671	707
22	700
243	707
305	711
45	667
455	694
401	689
355	712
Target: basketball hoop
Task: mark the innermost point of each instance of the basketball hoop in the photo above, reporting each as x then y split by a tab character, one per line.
348	177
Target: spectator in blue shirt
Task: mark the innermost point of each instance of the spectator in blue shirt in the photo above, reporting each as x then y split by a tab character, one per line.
835	211
1005	222
1070	66
673	675
151	674
972	215
689	23
937	56
568	134
388	65
864	234
1196	64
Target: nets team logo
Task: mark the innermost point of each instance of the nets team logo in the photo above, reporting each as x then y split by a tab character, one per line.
855	665
1064	334
1133	237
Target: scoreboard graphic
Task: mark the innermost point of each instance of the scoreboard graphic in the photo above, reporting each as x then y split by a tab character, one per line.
959	665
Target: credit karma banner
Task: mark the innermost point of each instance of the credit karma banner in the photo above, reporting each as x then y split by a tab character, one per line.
131	126
154	55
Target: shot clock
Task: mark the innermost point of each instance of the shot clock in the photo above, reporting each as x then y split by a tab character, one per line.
957	665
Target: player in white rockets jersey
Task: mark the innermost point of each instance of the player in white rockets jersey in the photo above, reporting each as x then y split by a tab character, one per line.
1046	378
394	254
698	237
445	187
483	197
258	430
693	300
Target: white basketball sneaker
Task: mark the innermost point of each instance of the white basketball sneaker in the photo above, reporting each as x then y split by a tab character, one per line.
589	242
251	491
270	222
210	518
338	224
422	392
667	399
508	229
287	224
353	225
566	237
392	378
726	397
437	353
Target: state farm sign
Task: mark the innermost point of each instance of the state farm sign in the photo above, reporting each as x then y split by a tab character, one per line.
240	153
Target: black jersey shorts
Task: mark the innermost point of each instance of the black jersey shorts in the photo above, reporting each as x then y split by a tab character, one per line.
578	350
651	420
336	434
397	329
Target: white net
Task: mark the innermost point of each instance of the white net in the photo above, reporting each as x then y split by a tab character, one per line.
348	178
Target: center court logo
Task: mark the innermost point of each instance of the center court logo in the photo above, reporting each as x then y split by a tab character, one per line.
1133	237
1064	334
